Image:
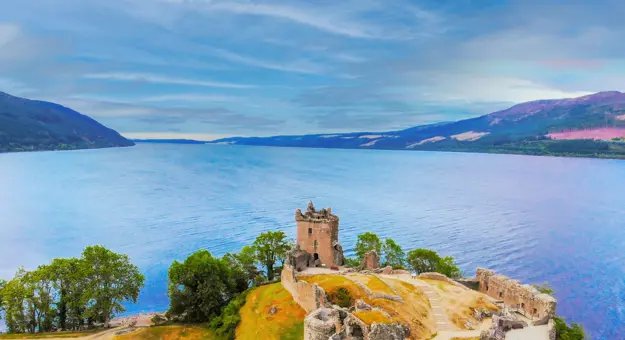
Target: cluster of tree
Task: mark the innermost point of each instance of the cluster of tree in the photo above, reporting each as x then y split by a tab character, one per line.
70	294
391	254
207	288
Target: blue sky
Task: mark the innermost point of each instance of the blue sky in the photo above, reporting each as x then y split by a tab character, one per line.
207	68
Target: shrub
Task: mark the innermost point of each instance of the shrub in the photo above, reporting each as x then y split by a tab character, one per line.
565	332
351	262
341	297
158	319
226	323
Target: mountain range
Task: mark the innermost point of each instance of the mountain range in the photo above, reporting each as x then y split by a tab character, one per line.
32	125
589	126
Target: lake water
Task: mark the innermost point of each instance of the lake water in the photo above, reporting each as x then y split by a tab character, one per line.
537	219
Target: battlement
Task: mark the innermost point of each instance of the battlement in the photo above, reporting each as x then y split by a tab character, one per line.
316	216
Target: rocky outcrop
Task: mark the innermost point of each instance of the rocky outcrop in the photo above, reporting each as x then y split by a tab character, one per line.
321	324
388	332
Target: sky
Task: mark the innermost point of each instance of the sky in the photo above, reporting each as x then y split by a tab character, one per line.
205	69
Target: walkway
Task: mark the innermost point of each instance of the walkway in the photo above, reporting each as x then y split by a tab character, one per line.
442	322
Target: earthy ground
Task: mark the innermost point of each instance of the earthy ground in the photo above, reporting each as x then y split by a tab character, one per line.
173	332
98	335
271	313
459	303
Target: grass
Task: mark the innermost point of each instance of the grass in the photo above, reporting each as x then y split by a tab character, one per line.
171	332
330	283
257	322
373	283
371	316
469	338
49	335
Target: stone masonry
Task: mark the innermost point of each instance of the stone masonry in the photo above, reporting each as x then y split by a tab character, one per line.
523	297
371	260
318	235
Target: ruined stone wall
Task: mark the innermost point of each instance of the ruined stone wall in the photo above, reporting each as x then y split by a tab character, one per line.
516	295
441	277
309	296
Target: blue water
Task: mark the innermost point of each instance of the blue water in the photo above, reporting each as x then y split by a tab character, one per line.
537	219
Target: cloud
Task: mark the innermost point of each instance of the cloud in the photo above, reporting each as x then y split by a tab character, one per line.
300	66
151	78
324	21
189	97
133	117
8	33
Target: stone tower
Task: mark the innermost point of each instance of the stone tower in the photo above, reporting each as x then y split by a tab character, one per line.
318	234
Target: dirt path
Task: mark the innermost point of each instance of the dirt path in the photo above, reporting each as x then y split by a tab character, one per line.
104	335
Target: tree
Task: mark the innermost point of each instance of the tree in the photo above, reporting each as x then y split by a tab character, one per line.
394	256
423	260
367	242
448	266
271	246
2	284
110	279
68	280
13	303
200	287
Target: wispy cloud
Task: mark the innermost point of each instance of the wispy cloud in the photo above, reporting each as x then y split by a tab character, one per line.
301	66
152	78
189	97
322	21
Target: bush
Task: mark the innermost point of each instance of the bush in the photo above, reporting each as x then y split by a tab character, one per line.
351	262
341	297
565	332
158	319
544	288
226	323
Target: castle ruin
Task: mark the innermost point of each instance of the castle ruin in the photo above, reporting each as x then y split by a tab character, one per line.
318	235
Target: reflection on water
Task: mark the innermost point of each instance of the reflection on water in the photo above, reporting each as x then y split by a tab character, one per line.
534	218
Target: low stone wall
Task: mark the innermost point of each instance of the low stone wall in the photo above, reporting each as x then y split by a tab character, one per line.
516	295
441	277
309	296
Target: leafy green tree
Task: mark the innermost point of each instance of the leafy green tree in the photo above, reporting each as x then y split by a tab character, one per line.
2	284
41	298
393	255
367	242
448	266
270	247
246	261
351	262
13	303
68	278
200	287
110	279
565	332
423	260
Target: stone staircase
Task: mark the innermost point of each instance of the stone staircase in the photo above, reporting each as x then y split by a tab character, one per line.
442	322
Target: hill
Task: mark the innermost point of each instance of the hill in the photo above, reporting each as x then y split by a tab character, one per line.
589	126
32	125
